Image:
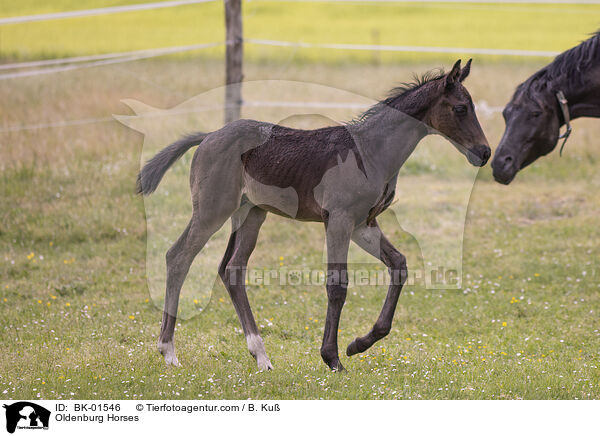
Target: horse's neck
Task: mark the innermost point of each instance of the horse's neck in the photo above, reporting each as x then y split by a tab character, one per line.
387	138
584	101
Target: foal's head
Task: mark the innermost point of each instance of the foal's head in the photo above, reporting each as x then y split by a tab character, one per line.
452	114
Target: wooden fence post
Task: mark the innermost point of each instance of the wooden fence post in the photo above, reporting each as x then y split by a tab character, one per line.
233	59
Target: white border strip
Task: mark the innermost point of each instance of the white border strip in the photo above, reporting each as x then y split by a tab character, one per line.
406	48
99	11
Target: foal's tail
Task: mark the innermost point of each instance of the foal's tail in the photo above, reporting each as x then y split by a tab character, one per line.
154	170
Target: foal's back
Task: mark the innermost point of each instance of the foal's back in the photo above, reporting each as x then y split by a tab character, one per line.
298	159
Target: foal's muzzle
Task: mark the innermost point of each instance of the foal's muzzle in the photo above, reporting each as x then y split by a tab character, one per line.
479	155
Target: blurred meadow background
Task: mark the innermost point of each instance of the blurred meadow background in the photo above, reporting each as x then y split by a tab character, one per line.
78	319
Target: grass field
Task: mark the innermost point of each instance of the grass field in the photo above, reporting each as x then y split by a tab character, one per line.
79	320
525	26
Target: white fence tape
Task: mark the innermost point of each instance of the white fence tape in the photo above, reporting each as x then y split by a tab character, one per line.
169	4
113	58
117	58
99	11
406	48
70	60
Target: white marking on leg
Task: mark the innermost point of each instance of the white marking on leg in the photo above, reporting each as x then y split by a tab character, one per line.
167	349
256	347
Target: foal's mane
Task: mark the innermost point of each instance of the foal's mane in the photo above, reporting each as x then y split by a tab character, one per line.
399	93
569	64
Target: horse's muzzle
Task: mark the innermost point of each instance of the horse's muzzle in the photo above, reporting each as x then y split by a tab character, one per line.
504	169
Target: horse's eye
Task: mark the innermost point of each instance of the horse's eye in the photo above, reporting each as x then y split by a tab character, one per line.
536	114
460	109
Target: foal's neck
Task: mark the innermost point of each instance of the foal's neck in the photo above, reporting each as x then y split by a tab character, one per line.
389	136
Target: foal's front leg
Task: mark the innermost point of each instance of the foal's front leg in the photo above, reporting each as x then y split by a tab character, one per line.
339	231
372	240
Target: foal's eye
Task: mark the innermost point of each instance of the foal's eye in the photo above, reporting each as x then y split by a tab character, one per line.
535	114
460	109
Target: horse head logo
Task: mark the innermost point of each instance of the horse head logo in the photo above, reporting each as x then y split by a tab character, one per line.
24	414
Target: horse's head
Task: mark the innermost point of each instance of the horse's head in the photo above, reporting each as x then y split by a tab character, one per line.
454	116
532	130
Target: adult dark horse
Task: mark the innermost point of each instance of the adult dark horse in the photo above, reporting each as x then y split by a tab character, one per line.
343	176
566	89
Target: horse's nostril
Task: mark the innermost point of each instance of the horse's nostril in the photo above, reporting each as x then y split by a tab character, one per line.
508	159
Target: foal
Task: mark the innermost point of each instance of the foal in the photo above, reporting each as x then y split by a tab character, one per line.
343	176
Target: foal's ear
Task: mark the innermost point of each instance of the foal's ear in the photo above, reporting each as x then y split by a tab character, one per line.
465	71
454	74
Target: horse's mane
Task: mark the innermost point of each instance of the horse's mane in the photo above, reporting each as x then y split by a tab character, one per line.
569	64
398	93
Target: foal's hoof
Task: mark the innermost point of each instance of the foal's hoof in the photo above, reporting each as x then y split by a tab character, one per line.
264	364
171	360
355	347
337	366
168	352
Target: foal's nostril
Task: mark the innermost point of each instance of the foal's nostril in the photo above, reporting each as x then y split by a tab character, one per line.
483	153
486	153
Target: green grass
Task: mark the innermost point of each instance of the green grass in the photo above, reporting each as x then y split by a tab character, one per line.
80	322
532	27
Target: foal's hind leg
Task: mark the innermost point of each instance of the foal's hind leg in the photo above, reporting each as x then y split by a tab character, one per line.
372	240
233	273
207	218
